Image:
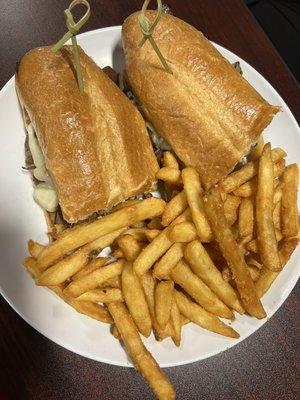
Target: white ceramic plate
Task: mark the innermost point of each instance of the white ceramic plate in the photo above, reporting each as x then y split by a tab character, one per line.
21	219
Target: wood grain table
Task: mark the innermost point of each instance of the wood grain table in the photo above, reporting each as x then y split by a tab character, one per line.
266	365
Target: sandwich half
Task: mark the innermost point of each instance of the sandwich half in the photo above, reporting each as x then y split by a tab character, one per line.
94	145
206	110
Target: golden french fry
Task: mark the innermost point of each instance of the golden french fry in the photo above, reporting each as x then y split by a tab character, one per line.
227	274
247	172
149	283
266	238
163	297
64	269
199	291
142	359
78	236
130	247
151	234
289	208
115	332
230	249
277	194
194	193
102	295
168	261
267	277
257	150
169	160
184	232
114	282
174	208
135	300
94	279
138	233
35	248
155	223
278	235
91	266
31	265
118	253
277	218
252	246
254	272
170	175
151	253
92	310
202	317
255	263
231	206
249	188
246	218
176	322
202	265
104	241
139	224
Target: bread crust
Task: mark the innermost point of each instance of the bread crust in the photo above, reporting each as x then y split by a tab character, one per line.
208	113
95	143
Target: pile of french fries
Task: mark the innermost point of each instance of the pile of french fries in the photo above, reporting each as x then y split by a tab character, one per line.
198	257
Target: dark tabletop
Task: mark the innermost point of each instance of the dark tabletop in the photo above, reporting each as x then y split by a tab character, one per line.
266	365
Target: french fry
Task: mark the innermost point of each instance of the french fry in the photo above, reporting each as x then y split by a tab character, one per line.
184	232
257	150
194	192
266	239
174	208
130	247
249	188
267	277
176	323
252	261
64	269
91	266
151	234
202	317
231	206
92	310
170	175
199	291
151	253
289	208
114	282
230	249
277	217
169	160
252	246
277	194
104	241
94	279
82	234
102	295
168	261
202	265
246	218
138	233
31	265
135	300
278	235
139	224
148	283
115	332
127	203
142	359
35	248
254	272
155	223
247	172
117	254
163	297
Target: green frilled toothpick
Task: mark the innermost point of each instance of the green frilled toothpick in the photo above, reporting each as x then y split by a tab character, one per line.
148	30
73	28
